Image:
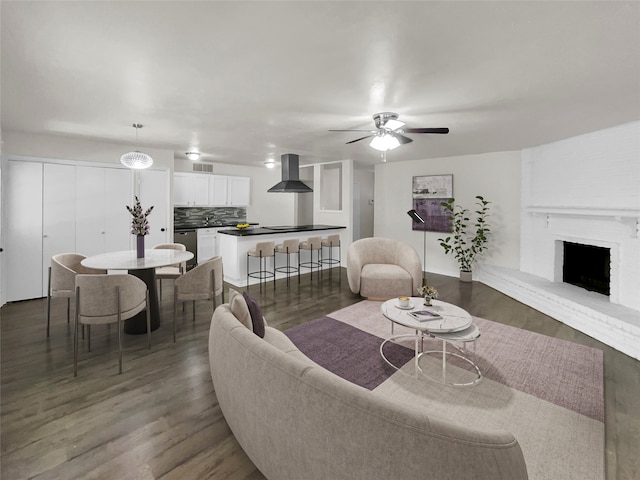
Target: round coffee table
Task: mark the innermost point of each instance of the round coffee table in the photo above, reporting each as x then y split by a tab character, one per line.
454	325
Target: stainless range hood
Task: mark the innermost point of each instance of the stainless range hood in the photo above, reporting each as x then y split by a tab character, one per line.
290	176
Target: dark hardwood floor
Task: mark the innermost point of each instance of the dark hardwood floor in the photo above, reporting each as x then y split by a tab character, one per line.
160	418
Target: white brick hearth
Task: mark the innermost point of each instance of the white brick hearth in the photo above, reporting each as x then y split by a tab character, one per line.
588	312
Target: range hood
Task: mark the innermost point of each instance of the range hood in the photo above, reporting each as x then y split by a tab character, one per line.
290	176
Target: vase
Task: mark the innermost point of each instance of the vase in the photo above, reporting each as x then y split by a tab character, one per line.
427	300
140	246
466	276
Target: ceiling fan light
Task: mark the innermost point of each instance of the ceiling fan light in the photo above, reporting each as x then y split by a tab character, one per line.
136	160
193	156
384	142
393	124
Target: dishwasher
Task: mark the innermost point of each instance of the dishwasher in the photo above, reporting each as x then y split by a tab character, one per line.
188	238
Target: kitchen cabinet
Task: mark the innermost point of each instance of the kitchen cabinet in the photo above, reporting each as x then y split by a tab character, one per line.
229	190
207	244
238	190
190	190
196	190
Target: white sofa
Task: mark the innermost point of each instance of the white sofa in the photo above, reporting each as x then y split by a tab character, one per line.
298	421
383	268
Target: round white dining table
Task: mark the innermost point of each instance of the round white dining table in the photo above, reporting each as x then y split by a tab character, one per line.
143	268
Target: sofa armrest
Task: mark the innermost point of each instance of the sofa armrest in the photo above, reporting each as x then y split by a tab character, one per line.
354	268
408	259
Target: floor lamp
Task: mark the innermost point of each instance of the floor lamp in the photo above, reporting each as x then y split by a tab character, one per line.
418	219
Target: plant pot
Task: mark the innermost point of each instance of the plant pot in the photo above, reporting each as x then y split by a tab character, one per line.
466	276
140	246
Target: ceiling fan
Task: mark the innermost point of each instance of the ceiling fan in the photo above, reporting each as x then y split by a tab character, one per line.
389	132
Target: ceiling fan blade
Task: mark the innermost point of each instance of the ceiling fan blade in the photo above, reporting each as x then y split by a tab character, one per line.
358	139
401	138
370	131
426	130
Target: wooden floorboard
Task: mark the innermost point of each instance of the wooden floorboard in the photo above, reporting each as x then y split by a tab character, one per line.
160	419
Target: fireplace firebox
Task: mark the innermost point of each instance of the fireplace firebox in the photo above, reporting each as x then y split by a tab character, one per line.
587	266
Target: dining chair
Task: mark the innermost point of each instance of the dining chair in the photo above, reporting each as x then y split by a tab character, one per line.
62	279
105	299
170	272
204	282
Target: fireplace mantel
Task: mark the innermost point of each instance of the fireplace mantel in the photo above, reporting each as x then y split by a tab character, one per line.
586	211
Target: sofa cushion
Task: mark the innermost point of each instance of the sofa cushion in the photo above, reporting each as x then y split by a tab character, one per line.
256	314
239	308
383	280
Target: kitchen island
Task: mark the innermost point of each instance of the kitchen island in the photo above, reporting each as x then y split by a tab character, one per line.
235	243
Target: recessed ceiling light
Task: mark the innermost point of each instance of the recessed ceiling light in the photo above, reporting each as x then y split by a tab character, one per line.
193	156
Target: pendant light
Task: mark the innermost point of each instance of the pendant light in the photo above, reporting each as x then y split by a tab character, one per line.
136	159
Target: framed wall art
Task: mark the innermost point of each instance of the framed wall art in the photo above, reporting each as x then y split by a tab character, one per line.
429	191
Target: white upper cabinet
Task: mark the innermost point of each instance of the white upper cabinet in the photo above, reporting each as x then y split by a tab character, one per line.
225	190
195	190
190	190
238	190
218	190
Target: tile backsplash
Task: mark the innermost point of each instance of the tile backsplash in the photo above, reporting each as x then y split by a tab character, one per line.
185	217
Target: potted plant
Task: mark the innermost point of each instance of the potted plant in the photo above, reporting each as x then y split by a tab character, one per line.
461	244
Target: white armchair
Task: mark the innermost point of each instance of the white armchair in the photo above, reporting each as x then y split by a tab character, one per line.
383	268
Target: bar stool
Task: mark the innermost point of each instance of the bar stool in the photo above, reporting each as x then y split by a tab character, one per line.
287	247
311	244
331	242
262	250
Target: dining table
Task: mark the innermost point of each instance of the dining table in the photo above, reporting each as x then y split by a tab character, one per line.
143	268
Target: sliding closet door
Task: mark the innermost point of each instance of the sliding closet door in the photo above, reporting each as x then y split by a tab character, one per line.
23	235
58	214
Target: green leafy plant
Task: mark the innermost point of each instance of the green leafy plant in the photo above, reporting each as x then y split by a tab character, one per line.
464	247
139	223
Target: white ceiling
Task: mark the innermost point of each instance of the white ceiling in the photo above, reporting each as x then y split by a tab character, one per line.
239	81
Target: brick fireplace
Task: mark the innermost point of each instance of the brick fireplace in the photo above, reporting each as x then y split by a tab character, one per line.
586	191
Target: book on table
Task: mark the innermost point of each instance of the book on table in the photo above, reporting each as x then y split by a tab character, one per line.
425	315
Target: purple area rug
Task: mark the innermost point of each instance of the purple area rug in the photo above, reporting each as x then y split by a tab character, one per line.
347	343
347	351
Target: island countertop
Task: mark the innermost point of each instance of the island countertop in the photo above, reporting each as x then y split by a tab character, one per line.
277	229
234	245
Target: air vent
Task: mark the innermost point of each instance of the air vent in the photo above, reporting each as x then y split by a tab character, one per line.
202	167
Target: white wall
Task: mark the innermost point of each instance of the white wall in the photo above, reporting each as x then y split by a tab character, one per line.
266	208
496	176
366	179
342	217
64	148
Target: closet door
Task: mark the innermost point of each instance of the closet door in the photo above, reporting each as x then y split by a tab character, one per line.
23	235
117	219
153	189
89	210
58	214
